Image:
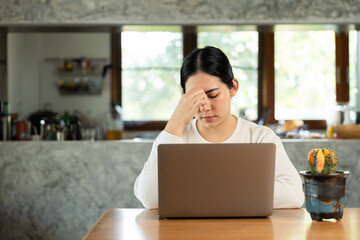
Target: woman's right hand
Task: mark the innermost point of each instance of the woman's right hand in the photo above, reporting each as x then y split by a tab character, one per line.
190	103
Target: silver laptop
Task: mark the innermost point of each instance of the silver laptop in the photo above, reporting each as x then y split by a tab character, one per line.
216	180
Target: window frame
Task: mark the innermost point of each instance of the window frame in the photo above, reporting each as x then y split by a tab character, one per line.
266	73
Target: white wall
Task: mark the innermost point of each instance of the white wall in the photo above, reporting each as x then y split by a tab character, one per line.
32	80
23	73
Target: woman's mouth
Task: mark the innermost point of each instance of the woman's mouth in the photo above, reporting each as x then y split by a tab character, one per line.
208	118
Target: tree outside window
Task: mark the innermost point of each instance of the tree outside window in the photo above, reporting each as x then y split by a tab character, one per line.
304	74
151	61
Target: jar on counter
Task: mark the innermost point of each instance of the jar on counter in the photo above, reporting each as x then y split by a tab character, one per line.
115	125
23	130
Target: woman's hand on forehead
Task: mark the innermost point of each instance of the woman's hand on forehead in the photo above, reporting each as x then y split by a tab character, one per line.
195	96
198	95
195	92
190	104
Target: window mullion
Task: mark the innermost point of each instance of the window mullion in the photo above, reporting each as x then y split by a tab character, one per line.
266	76
342	67
116	96
189	39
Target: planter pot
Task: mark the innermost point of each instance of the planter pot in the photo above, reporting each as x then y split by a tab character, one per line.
325	194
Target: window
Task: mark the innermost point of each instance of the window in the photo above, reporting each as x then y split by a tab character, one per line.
151	61
304	65
354	64
241	47
304	74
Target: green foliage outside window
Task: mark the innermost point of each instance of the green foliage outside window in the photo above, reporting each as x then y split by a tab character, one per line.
151	79
304	74
304	71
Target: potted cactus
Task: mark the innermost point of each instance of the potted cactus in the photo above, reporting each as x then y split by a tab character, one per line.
324	187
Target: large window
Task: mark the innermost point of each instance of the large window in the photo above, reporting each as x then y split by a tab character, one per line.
354	66
151	59
304	74
241	47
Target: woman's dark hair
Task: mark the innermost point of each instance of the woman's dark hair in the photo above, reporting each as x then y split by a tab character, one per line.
209	60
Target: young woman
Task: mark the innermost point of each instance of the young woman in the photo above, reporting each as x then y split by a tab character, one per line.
203	116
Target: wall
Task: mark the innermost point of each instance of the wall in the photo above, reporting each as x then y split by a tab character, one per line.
32	79
180	11
24	52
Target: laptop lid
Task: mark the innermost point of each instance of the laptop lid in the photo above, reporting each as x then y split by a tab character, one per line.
216	180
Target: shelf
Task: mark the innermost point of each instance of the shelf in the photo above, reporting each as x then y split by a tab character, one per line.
52	59
78	76
81	86
78	66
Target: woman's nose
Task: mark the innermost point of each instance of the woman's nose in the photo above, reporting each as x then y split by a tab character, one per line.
206	107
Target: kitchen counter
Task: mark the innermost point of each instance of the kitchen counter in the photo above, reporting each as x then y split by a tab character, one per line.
57	190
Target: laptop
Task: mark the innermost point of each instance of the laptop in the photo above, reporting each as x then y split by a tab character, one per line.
216	180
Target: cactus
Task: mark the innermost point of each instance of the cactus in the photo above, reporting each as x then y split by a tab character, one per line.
322	161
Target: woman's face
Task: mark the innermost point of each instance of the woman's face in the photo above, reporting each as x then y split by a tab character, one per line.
218	95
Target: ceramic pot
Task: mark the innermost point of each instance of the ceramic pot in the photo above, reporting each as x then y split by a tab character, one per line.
325	194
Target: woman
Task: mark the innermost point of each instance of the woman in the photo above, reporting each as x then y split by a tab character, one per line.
203	116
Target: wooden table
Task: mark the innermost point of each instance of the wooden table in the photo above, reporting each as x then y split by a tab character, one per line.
283	224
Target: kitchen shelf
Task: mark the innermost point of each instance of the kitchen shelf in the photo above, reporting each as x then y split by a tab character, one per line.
80	85
79	76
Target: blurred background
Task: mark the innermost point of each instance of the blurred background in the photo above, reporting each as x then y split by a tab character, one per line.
290	67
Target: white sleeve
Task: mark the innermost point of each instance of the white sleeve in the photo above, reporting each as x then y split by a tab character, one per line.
288	191
146	184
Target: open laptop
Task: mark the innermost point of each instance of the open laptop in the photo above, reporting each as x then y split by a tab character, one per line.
216	180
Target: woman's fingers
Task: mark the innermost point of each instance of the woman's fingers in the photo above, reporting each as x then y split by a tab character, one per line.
201	105
194	94
196	100
188	106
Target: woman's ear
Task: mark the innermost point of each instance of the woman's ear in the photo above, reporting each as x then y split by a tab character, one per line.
235	87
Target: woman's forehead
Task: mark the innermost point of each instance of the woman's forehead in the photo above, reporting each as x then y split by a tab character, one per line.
204	81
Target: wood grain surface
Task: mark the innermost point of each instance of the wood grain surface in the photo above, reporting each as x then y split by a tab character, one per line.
283	224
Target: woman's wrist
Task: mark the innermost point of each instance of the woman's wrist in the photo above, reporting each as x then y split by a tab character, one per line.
174	129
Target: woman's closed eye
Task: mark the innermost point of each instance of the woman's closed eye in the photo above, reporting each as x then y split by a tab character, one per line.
214	96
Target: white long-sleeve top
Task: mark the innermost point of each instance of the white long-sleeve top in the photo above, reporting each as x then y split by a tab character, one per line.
288	191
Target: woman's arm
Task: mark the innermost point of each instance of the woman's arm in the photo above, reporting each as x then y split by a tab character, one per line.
146	184
288	191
